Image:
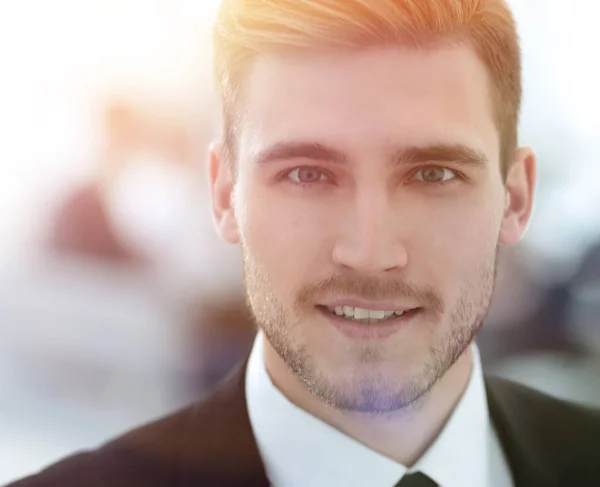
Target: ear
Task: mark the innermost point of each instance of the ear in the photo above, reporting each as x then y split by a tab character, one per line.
520	185
222	182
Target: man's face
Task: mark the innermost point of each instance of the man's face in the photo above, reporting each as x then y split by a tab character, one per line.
368	184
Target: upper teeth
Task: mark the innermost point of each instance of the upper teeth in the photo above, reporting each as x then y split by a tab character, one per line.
362	313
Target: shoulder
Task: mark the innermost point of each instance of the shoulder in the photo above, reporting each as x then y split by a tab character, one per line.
144	456
561	432
562	418
194	446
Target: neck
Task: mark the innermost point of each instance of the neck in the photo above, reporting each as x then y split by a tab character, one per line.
402	436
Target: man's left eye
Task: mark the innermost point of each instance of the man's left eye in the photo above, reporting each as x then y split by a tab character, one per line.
434	174
307	175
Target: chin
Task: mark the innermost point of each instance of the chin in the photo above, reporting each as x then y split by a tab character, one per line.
375	391
368	369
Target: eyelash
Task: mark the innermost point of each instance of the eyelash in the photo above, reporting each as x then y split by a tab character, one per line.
285	175
458	176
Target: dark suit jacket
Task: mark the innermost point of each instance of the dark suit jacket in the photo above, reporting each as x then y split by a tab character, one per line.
549	443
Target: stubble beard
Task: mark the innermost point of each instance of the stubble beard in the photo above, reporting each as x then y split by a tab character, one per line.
371	393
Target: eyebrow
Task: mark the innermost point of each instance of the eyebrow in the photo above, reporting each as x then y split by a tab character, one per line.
457	153
435	153
315	151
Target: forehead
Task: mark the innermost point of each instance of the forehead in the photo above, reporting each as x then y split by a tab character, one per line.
370	99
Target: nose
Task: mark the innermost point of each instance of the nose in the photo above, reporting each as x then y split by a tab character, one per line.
370	239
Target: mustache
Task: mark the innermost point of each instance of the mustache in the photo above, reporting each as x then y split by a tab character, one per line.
370	287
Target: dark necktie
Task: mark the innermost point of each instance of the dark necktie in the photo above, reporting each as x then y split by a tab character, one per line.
417	479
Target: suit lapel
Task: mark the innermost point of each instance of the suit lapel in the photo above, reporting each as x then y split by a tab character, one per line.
220	439
522	433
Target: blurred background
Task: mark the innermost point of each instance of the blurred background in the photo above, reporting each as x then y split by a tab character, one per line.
119	303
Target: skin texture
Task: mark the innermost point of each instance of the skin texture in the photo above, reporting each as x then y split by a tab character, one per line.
374	175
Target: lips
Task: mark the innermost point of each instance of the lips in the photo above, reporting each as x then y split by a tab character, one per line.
365	315
366	311
367	304
369	328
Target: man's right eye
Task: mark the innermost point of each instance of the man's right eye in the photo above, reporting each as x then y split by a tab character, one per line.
307	175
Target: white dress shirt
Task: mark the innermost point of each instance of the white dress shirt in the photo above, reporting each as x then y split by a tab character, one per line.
300	450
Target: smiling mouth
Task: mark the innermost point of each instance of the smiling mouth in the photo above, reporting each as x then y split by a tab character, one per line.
366	316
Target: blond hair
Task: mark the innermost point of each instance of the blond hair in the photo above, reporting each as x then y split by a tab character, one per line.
247	28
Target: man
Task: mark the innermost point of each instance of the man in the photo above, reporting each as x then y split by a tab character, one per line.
369	170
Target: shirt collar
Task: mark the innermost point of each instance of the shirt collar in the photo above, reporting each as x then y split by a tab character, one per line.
300	449
459	454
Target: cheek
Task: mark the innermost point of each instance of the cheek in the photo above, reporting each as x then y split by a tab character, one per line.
470	233
461	243
285	234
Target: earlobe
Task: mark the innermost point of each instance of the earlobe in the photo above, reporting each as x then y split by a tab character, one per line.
520	185
221	186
